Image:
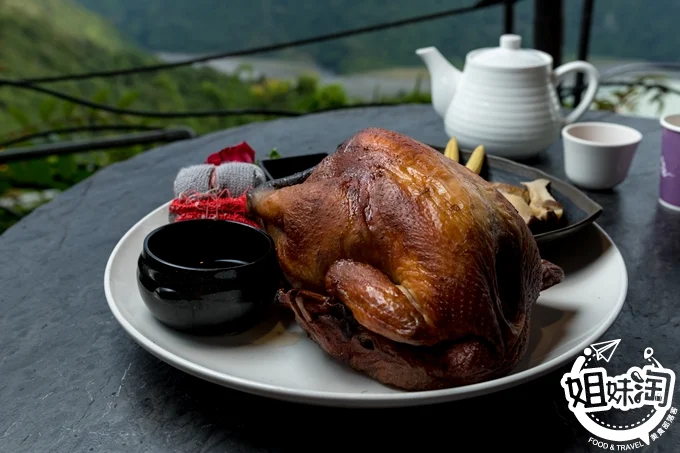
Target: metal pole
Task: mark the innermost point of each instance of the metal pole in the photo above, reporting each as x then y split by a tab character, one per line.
548	33
83	146
509	16
583	42
548	29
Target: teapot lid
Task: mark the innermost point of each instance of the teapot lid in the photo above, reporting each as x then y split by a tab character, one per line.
509	55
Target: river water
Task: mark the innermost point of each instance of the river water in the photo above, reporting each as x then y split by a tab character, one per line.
368	86
362	86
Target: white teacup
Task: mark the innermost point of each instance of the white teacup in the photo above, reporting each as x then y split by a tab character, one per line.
598	155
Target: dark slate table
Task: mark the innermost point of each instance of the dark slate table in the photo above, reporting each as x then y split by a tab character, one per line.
72	380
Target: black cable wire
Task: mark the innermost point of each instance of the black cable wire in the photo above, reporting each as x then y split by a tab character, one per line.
77	129
119	111
84	146
197	114
236	112
29	83
272	47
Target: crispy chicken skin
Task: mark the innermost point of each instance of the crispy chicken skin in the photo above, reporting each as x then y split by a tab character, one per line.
431	271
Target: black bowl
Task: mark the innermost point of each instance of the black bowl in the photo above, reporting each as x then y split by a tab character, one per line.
208	276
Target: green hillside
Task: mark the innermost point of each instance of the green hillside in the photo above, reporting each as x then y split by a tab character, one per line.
70	21
41	38
54	37
630	29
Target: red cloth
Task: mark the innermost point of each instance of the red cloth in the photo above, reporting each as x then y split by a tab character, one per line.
216	206
207	206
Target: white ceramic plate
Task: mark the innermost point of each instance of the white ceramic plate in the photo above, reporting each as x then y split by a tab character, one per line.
275	359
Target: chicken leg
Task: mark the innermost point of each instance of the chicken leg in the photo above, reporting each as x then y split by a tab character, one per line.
378	304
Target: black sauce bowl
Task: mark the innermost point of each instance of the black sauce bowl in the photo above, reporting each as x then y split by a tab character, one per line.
208	276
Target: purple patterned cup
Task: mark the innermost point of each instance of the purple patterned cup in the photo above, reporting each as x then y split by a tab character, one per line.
669	191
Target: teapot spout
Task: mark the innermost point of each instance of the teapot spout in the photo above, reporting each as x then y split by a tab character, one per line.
444	78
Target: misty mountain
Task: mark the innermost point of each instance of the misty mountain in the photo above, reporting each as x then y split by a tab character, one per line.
631	29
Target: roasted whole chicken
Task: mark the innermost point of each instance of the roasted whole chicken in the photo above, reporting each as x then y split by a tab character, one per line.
404	264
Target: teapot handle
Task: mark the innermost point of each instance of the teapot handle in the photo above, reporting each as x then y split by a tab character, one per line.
593	77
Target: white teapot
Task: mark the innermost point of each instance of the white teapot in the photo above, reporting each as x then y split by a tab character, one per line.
505	99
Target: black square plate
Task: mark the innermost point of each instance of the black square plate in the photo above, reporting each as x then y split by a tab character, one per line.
286	166
579	210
